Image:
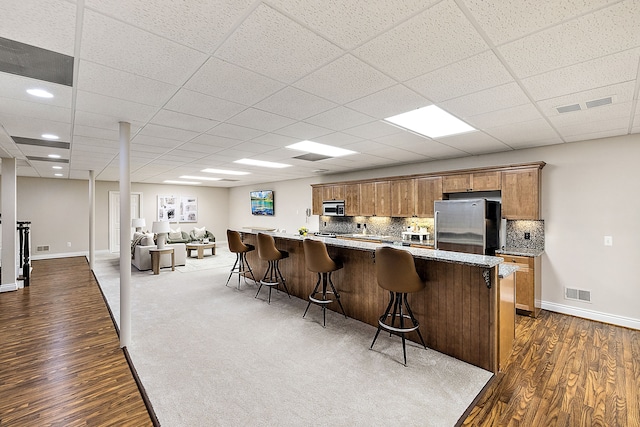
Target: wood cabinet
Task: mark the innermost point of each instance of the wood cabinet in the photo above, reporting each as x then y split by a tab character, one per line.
521	193
476	181
333	192
383	198
427	190
402	202
368	198
352	199
316	200
528	286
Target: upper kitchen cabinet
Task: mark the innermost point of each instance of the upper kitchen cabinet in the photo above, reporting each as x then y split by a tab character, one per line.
316	200
352	199
402	201
476	181
427	190
521	193
333	192
367	199
383	198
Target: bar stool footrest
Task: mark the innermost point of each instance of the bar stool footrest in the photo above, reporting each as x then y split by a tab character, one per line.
320	301
390	328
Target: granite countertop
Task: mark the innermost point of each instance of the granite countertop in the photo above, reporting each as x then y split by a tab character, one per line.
507	269
428	254
520	251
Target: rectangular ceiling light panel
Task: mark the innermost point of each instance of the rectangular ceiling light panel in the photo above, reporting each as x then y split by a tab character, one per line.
261	163
430	121
322	149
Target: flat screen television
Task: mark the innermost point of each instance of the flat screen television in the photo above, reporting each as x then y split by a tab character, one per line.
262	202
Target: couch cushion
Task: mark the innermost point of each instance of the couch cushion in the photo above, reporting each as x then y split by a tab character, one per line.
175	234
199	233
148	239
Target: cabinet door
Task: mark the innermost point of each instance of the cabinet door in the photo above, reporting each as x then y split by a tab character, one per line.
427	190
456	183
368	199
402	204
524	281
383	198
333	192
316	200
352	199
486	181
520	194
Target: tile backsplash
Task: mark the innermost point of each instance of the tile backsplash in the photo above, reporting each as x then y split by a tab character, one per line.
384	226
516	230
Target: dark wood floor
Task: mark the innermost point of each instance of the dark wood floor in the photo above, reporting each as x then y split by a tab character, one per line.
60	360
565	371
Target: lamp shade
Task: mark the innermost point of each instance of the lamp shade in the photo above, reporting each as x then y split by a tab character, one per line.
161	227
138	222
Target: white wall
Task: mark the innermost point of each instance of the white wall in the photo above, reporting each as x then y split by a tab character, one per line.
589	190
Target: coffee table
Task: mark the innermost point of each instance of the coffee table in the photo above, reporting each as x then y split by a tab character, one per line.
155	258
200	247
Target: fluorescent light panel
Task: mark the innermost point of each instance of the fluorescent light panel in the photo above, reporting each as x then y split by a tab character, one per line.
169	181
54	156
40	93
317	148
224	172
261	163
50	136
430	121
204	178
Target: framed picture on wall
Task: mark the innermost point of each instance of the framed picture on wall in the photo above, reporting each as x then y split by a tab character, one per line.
188	209
167	208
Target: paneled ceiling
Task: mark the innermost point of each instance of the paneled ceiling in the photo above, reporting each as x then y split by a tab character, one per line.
207	82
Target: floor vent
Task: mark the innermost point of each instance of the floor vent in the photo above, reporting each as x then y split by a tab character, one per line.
43	248
577	294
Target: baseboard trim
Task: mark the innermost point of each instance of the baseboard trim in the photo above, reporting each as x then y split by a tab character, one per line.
613	319
59	255
8	287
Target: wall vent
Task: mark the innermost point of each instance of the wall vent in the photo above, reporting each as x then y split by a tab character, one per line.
43	248
568	108
577	294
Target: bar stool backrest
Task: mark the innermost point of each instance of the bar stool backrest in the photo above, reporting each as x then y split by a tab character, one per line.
396	271
316	257
235	242
267	247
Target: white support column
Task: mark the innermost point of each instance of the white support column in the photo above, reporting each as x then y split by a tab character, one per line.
92	218
125	235
9	282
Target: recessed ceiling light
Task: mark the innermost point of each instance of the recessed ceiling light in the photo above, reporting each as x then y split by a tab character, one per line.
49	136
430	121
57	174
225	172
40	93
261	163
168	181
317	148
204	178
54	156
56	167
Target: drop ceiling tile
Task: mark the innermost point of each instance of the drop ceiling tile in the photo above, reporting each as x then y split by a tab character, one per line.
183	121
214	141
597	135
275	140
493	99
103	121
253	147
146	150
228	81
260	120
337	139
240	133
436	150
15	87
573	42
505	20
203	149
154	140
168	132
372	130
525	134
618	124
470	75
201	105
294	103
521	113
34	110
93	132
198	24
269	43
150	56
302	131
604	71
474	143
389	102
621	93
339	118
439	36
56	24
108	81
598	116
345	79
34	128
121	109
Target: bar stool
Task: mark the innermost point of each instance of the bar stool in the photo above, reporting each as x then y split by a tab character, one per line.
396	272
317	259
241	266
267	251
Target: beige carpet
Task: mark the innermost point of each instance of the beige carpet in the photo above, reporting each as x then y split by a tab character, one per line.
210	355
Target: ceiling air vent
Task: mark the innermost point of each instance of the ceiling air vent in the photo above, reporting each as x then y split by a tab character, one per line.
599	102
568	108
312	157
36	63
41	142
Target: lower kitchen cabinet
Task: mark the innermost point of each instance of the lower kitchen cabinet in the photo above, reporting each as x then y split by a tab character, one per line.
528	286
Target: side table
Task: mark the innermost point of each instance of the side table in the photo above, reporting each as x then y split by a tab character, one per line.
155	259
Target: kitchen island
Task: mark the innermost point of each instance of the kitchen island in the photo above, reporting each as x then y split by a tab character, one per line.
459	310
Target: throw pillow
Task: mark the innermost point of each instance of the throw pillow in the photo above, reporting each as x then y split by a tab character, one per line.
175	234
148	240
137	237
199	233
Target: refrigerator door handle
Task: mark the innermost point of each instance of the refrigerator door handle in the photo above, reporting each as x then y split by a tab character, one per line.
435	230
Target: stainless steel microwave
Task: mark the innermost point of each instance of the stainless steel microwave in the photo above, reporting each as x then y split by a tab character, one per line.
333	208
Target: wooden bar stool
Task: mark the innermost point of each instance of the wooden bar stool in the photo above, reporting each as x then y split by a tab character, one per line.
241	267
396	272
317	259
267	251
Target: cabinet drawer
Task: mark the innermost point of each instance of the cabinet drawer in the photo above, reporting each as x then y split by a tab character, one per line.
524	262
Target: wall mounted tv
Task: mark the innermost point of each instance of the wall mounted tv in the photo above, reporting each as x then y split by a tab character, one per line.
262	202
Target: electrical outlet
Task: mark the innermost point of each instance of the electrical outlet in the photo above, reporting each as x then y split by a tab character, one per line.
358	225
608	240
68	244
527	236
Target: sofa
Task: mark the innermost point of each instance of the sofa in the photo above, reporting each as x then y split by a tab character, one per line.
142	259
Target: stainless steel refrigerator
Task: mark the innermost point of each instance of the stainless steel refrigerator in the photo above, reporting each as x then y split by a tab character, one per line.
470	226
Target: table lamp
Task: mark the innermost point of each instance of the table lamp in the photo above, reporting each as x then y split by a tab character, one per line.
138	223
161	228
